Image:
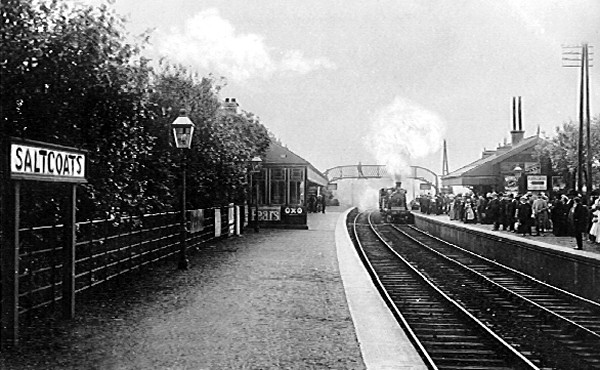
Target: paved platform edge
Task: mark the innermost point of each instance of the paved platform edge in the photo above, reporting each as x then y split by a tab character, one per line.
567	251
383	343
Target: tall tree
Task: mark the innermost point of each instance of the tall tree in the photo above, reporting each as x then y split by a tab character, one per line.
223	142
70	76
562	149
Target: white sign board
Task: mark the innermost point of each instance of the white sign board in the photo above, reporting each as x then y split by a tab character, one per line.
217	222
196	220
537	182
28	161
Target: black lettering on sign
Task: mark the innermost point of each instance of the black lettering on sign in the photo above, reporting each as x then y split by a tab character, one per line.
19	153
59	164
43	153
72	163
36	167
28	164
79	166
66	167
51	156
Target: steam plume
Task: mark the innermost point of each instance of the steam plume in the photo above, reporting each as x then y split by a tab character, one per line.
402	132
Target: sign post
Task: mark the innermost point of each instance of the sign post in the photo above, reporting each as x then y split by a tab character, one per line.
43	162
9	249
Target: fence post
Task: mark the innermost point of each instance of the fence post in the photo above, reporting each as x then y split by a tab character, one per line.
10	262
238	227
70	239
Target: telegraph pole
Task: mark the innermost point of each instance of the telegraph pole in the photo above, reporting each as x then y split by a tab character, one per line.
577	56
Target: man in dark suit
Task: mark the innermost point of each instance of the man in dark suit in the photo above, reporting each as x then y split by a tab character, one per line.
578	220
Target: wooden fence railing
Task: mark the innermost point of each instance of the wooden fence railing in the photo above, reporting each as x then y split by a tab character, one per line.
105	249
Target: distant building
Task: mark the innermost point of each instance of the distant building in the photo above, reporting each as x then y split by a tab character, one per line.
230	105
284	182
281	184
495	170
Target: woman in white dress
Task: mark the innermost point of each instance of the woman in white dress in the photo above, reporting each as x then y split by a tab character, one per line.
595	229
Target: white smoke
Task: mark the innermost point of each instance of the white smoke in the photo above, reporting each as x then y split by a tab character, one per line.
402	132
210	42
362	193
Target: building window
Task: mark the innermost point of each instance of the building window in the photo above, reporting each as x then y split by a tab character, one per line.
278	193
261	182
296	186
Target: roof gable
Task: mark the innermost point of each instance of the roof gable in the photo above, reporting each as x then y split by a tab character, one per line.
278	154
484	164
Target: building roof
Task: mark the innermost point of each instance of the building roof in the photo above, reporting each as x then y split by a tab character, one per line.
277	154
480	172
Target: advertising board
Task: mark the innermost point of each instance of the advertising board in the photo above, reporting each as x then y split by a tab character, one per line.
537	182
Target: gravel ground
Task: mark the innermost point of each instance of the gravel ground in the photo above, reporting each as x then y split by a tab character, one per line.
272	300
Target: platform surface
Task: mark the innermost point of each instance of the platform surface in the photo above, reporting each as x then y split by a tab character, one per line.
384	345
277	299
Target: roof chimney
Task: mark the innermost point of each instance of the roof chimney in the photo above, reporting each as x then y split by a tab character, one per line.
516	134
487	152
230	105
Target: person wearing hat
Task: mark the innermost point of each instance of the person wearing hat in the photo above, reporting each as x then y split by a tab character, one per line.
540	213
511	210
578	220
492	211
559	213
524	215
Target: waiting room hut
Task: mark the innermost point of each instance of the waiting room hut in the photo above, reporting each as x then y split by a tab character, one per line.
282	185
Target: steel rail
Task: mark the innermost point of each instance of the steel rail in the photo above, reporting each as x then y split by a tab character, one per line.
388	299
517	357
479	275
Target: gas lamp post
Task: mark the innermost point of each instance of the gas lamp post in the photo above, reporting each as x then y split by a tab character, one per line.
518	172
256	163
183	131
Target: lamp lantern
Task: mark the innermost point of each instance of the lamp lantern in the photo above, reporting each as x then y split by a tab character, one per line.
518	172
256	162
183	131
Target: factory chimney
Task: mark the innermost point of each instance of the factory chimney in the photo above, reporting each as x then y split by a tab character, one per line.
516	133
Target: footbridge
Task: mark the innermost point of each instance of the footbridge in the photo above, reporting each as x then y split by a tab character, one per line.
378	171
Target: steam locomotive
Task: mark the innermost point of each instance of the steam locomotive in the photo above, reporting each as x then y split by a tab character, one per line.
393	206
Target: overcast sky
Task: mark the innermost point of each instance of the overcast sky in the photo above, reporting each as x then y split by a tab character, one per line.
346	81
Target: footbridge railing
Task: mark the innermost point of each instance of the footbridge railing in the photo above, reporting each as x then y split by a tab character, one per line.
377	171
371	171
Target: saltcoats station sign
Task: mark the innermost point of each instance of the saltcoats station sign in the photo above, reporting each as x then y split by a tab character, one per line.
34	160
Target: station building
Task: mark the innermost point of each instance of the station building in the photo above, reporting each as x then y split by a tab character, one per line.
511	168
281	185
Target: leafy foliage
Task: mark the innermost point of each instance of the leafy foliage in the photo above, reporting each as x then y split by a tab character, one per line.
563	149
69	76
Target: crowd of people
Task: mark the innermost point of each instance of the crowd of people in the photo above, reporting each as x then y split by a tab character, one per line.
563	215
316	203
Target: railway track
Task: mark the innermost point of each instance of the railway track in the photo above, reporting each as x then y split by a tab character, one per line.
462	311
